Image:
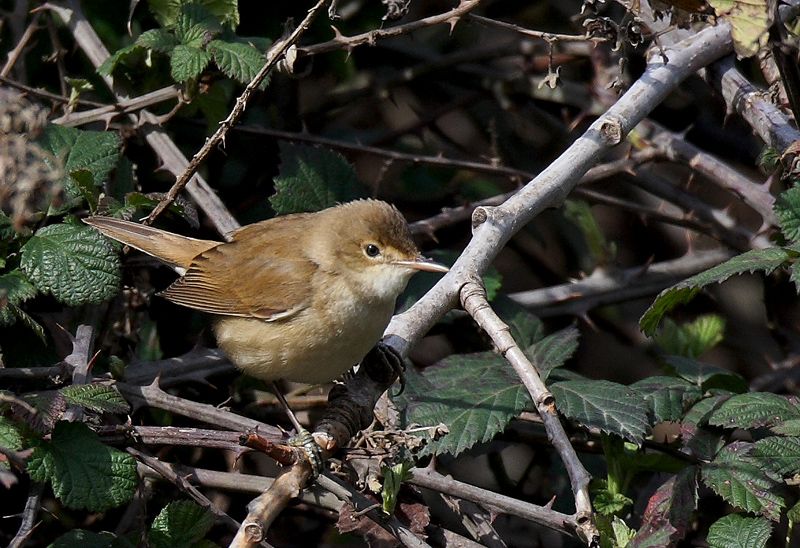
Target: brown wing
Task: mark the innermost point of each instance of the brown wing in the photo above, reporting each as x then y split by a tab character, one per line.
261	274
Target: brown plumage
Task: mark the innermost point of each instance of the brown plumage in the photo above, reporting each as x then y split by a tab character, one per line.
300	297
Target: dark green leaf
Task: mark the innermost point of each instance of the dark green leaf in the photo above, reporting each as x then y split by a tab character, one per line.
553	350
180	523
765	260
78	538
166	12
14	290
667	397
789	427
781	455
188	62
311	179
237	60
735	477
74	263
94	151
157	40
526	328
737	531
753	410
84	183
611	407
110	64
96	397
10	438
706	375
787	209
84	473
475	395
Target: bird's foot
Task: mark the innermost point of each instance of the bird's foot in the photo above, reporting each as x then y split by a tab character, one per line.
387	355
305	441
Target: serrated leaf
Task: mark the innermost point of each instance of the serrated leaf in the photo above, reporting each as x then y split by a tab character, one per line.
787	210
749	21
83	472
737	531
108	66
740	482
237	60
74	263
764	260
166	12
157	40
667	397
668	511
180	523
78	538
10	438
691	339
84	183
779	454
607	503
14	290
94	151
475	395
311	179
790	427
188	62
611	407
526	328
553	350
706	375
754	410
96	397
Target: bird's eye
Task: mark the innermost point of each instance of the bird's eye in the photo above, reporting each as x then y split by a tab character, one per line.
372	250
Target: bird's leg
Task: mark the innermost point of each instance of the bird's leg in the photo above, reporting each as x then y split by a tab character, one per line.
303	439
390	358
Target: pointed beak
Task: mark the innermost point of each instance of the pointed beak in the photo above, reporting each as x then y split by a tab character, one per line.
423	264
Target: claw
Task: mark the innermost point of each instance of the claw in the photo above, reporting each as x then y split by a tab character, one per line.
305	441
394	360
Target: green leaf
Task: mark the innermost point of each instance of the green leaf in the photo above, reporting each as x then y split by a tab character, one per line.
96	397
180	523
94	151
157	40
789	427
691	339
84	473
14	290
78	538
765	260
311	179
166	12
76	264
737	531
740	482
237	60
611	407
667	397
393	478
188	62
599	249
475	395
110	64
10	438
787	210
526	328
705	375
84	184
781	455
608	503
553	350
754	410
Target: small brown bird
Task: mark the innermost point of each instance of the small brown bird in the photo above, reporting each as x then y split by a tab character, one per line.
300	297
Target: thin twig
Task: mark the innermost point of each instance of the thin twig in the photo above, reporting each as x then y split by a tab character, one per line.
275	54
540	34
107	113
29	514
15	53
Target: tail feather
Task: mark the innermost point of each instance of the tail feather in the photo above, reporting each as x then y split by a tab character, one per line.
173	249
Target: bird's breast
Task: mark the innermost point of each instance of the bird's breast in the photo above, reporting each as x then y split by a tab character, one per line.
316	345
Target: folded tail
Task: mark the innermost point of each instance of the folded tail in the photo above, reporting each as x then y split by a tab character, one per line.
173	249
